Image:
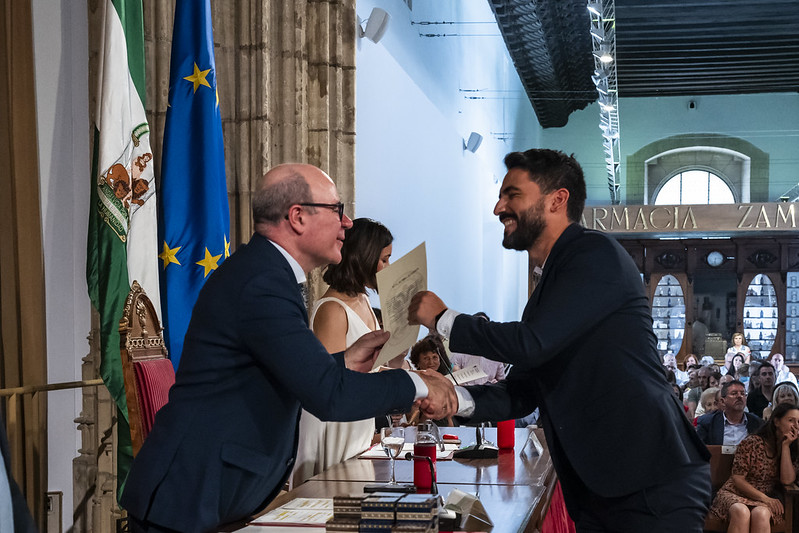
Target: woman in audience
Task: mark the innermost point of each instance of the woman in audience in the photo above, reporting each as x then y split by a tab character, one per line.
733	366
338	319
783	373
783	393
708	401
738	346
763	464
688	361
430	354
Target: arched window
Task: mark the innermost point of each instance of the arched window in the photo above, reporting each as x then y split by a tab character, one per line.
694	187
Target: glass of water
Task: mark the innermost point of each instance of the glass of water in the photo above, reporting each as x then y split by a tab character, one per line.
392	439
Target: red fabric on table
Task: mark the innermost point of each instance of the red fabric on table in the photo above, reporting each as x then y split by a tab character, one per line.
557	519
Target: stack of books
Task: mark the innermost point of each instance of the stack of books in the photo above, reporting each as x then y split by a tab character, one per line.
385	512
346	513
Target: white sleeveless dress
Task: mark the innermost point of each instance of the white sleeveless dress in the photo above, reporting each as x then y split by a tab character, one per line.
324	444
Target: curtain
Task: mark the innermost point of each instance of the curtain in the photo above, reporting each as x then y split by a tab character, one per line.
23	358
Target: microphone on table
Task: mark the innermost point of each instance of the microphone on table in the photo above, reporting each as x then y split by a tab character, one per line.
433	487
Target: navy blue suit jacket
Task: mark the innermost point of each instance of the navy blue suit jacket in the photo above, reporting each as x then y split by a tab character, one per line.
225	442
710	426
585	354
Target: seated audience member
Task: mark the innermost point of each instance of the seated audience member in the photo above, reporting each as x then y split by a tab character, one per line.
783	393
763	463
688	361
708	401
730	424
783	373
670	362
754	377
692	398
726	378
494	370
760	397
714	379
733	366
430	354
743	375
707	360
739	346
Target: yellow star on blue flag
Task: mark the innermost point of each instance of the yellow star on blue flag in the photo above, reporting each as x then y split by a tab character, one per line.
193	207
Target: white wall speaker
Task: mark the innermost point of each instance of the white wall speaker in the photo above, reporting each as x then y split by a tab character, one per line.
376	25
473	143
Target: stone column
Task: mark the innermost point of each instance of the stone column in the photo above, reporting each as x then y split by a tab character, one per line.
286	79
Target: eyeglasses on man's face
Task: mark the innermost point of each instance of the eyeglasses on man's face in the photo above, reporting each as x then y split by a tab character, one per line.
336	208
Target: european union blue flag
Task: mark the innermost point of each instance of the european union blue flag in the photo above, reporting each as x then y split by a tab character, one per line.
194	215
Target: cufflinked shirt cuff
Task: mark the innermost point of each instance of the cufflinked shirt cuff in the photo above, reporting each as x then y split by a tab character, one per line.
465	402
444	324
421	388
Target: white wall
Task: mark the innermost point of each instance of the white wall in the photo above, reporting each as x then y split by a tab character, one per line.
61	58
412	174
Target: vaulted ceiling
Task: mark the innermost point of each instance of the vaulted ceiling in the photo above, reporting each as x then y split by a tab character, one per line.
667	48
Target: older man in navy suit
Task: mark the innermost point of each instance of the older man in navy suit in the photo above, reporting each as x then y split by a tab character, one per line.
584	353
729	425
225	443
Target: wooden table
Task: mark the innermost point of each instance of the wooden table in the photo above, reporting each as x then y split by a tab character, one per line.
511	467
514	488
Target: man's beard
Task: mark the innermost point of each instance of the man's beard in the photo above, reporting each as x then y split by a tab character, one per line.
530	225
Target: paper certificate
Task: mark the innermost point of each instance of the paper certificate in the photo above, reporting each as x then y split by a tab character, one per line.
396	284
466	375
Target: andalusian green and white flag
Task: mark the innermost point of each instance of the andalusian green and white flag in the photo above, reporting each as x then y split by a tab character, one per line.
122	243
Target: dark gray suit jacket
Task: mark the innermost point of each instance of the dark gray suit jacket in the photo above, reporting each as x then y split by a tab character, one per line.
225	442
710	426
585	354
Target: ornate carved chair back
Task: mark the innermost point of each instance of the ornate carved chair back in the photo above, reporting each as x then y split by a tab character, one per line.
147	370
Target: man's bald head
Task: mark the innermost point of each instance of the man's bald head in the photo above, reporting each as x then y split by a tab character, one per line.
283	186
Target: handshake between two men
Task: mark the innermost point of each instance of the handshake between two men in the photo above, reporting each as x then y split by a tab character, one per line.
441	400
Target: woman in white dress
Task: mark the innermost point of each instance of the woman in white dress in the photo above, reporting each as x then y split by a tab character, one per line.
338	319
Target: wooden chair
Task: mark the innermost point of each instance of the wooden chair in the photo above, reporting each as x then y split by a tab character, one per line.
147	370
721	458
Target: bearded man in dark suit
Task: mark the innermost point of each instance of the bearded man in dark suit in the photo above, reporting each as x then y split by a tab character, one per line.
223	446
584	353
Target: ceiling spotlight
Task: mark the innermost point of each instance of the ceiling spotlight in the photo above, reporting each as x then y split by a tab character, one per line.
605	55
595	8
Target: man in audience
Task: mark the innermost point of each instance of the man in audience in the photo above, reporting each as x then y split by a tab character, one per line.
692	399
726	378
587	323
760	397
223	446
670	362
730	424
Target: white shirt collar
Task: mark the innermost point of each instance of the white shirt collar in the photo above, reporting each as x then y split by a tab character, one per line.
728	421
299	273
